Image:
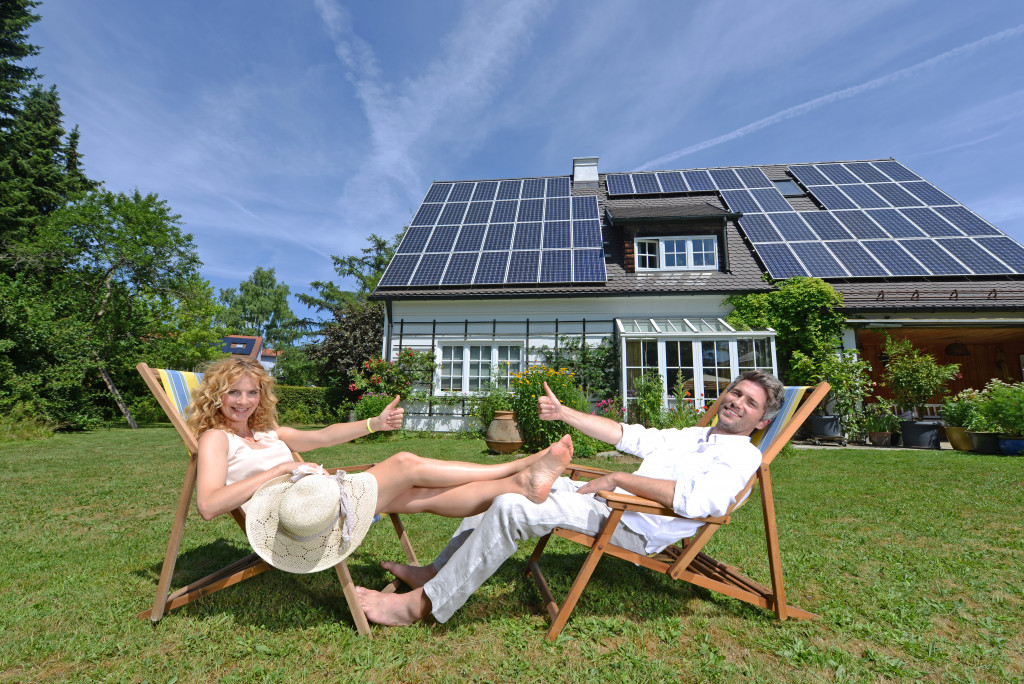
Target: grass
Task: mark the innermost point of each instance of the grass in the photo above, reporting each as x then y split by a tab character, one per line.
911	558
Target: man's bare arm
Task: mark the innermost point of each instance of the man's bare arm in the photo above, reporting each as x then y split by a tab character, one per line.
598	427
661	491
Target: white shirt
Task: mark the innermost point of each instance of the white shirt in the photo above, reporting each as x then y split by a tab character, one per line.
709	471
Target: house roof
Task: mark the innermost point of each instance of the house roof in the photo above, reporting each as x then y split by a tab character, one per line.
242	345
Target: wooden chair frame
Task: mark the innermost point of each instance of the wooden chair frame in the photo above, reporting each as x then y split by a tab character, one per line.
685	561
250	565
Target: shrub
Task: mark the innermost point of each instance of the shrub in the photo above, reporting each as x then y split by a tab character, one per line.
646	406
913	375
879	417
405	375
1004	407
308	405
963	409
493	397
610	409
370	405
537	433
25	422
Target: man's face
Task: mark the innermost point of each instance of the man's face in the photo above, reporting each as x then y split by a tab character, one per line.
742	409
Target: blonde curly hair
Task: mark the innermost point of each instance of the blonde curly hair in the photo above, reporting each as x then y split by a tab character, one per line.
204	413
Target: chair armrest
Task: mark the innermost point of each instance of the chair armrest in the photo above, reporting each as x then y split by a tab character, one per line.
628	502
572	470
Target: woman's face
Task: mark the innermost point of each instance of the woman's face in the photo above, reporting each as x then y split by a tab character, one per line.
240	401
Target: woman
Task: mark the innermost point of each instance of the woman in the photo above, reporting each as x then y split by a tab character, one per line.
241	449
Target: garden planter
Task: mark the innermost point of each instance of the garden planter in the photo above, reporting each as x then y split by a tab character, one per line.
1011	446
880	439
959	439
503	433
985	442
920	434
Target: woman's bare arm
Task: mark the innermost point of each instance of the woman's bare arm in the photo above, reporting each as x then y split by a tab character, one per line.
213	496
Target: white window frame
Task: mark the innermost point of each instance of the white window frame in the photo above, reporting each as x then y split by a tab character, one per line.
470	366
641	251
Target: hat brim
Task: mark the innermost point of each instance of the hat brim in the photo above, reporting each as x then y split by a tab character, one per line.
284	552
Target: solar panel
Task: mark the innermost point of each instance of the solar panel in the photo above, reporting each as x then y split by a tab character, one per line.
558	187
808	175
453	213
460	268
619	184
759	229
864	196
505	212
530	210
897	196
826	225
791	226
427	215
557	235
509	189
965	220
930	222
438	192
1008	250
556	209
587	234
726	179
858	223
753	177
896	171
895	223
935	259
896	259
399	270
584	207
470	239
479	212
972	255
740	200
699	181
533	187
461	192
527	236
856	259
556	266
837	173
522	267
485	191
588	266
491	269
672	181
928	193
818	259
430	269
442	239
780	261
832	197
771	199
499	236
867	173
646	183
414	240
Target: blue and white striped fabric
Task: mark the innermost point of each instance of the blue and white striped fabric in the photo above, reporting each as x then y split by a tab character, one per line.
179	385
762	439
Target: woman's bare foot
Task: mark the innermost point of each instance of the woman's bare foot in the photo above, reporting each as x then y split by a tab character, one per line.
536	481
395	610
413	575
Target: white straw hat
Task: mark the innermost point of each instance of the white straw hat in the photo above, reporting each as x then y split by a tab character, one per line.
305	523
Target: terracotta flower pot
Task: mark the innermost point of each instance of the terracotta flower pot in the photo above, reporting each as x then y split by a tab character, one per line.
503	433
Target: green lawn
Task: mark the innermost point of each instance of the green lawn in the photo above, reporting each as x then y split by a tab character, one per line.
912	559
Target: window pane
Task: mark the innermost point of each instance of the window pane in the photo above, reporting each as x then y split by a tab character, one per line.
509	363
704	252
479	366
717	369
675	253
763	352
451	368
646	254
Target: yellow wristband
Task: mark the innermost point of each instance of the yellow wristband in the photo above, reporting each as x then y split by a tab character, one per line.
368	428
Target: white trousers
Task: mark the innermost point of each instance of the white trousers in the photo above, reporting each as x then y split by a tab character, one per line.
483	542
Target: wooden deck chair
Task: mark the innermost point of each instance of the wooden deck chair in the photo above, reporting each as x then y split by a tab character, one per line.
172	390
686	561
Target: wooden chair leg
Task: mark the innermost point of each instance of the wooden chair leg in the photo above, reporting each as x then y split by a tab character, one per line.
349	588
772	541
174	544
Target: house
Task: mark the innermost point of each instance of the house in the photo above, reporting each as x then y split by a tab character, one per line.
251	346
491	271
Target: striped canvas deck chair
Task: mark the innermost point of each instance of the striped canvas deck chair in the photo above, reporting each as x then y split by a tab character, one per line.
173	391
686	561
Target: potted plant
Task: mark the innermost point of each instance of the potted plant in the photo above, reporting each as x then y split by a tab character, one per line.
1004	407
914	378
958	412
850	379
493	406
880	422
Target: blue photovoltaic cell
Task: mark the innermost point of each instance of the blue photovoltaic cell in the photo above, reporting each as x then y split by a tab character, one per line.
485	191
974	257
453	213
896	171
930	222
895	258
779	260
726	179
818	260
491	269
928	193
399	270
895	223
740	201
771	199
442	239
556	266
461	192
867	173
430	270
646	183
584	207
558	187
427	215
699	181
837	173
672	181
826	225
857	261
619	184
438	192
791	226
414	240
1008	250
864	196
832	197
556	209
522	267
527	236
897	196
505	212
509	189
557	235
586	234
962	218
530	210
470	239
478	212
499	236
588	266
934	258
858	223
808	175
533	187
460	268
754	177
758	228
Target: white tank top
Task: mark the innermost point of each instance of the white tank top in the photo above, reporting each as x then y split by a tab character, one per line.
245	460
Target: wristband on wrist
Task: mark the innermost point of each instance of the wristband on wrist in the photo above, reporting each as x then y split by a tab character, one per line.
368	428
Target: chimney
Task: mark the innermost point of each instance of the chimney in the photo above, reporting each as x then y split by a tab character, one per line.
584	172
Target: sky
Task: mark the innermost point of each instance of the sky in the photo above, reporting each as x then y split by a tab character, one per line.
287	132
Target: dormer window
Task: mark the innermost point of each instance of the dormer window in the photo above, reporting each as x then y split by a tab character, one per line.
690	253
788	188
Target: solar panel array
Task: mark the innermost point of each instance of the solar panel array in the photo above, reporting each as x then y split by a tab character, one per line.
511	232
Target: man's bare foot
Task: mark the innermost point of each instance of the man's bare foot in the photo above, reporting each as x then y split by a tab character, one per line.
537	480
395	610
413	575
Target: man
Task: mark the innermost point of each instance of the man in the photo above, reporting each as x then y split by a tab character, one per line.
696	472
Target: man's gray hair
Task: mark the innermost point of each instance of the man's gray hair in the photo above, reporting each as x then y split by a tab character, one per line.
771	385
